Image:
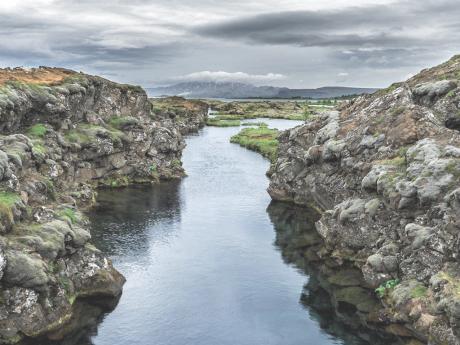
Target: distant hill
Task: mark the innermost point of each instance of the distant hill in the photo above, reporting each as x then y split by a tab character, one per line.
198	89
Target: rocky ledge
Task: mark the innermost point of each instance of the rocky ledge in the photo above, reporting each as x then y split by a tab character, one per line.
384	172
62	134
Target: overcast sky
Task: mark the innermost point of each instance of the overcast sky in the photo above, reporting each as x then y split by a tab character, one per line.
295	43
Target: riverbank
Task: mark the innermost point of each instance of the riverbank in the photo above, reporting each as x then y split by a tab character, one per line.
63	134
207	243
384	173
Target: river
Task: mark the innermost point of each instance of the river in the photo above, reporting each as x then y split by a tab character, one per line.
206	263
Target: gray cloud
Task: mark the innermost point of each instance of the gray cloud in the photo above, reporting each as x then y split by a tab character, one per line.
386	31
145	41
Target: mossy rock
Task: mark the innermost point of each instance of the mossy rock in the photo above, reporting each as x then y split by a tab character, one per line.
25	270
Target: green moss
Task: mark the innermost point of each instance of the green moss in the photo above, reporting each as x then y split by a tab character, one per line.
122	121
261	139
388	90
398	161
176	163
258	124
68	213
451	94
383	289
37	131
129	87
39	149
86	133
7	201
75	136
419	291
453	168
50	189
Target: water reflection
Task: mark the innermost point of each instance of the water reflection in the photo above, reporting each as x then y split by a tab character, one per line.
201	267
121	225
122	217
86	317
333	295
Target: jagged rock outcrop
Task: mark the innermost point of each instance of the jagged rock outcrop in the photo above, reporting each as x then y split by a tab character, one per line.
61	135
385	174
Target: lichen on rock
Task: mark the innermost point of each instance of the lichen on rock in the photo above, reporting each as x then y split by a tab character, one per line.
385	172
62	134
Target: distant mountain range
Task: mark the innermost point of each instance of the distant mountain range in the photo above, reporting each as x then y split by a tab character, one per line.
197	89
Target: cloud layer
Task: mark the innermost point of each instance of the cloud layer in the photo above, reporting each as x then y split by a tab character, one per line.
230	77
293	42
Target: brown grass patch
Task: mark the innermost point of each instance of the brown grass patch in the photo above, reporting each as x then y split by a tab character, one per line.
43	75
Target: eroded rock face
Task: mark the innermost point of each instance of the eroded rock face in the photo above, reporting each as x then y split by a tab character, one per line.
385	173
61	135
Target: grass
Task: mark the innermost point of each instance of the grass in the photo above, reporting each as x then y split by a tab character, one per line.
223	123
259	124
288	110
37	131
68	213
7	201
229	117
260	139
119	122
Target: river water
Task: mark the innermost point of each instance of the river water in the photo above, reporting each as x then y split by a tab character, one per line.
206	262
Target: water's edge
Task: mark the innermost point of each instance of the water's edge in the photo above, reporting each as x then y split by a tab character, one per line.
207	262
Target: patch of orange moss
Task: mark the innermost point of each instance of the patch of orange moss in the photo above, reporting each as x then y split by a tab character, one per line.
42	75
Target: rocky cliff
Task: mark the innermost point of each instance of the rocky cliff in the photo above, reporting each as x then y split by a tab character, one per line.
384	172
62	134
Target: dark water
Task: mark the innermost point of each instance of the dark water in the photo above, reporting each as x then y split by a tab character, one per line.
207	263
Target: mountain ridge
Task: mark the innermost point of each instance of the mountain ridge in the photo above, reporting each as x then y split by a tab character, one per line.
211	89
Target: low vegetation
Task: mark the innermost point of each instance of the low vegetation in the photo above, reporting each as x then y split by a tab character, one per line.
262	124
223	123
383	289
119	122
7	201
87	133
261	139
69	214
239	110
37	131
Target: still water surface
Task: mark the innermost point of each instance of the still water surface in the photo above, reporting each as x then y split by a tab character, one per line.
200	258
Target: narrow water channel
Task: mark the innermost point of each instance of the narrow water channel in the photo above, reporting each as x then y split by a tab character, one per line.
206	262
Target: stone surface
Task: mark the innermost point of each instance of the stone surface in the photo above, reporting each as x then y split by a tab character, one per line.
62	134
385	173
